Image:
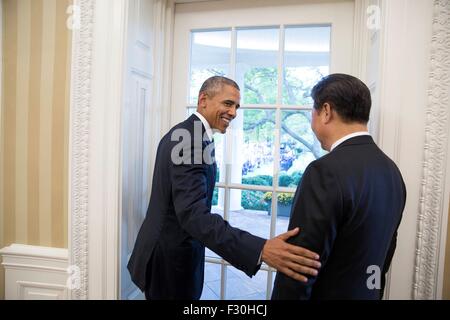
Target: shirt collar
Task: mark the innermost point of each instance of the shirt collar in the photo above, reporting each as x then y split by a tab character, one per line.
208	129
347	137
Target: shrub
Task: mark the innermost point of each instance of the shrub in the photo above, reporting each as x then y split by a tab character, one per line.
215	198
258	180
296	177
283	198
285	180
251	200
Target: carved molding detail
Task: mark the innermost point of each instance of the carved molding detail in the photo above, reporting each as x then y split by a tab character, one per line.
435	153
79	151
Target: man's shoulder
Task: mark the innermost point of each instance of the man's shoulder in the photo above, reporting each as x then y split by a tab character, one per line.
178	129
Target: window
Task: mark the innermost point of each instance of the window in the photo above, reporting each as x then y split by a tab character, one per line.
262	157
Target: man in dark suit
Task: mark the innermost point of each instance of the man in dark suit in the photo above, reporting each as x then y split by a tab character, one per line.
169	255
349	203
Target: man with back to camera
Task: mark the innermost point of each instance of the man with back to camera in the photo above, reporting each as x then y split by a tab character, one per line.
349	203
169	255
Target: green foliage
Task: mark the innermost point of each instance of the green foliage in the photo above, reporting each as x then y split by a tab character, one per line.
259	125
283	198
285	180
215	198
290	181
263	180
252	200
261	86
296	177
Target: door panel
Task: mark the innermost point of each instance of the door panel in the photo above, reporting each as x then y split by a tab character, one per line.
135	133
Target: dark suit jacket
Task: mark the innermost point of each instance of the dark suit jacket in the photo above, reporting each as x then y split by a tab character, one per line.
348	206
168	258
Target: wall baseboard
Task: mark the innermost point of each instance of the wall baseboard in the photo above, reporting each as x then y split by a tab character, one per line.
35	273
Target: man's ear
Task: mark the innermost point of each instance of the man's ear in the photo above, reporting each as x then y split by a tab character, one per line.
327	112
202	100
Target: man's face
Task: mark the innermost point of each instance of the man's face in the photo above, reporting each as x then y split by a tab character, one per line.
221	109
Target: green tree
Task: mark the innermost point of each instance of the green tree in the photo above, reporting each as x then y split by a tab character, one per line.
261	88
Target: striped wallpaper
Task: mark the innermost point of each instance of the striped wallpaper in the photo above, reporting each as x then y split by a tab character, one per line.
34	123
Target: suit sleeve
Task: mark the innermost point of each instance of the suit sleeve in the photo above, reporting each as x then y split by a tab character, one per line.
317	210
189	193
387	263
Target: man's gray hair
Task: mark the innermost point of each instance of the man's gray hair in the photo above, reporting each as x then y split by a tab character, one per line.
213	85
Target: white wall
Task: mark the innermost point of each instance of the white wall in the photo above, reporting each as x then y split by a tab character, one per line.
404	97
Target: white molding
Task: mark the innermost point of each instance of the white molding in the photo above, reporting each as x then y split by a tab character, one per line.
405	38
96	100
32	251
432	205
164	15
80	105
389	124
35	272
360	40
58	292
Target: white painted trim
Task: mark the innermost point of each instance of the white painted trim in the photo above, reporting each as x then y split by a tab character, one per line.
409	111
80	104
43	270
430	245
360	40
32	251
389	121
23	285
96	100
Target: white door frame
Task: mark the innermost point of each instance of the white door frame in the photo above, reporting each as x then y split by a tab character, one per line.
96	96
94	178
98	62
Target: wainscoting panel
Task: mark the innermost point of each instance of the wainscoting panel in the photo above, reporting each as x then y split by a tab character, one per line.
35	273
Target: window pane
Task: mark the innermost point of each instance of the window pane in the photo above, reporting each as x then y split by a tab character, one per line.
298	147
284	205
211	54
211	286
306	61
249	211
253	147
240	287
218	201
256	65
190	112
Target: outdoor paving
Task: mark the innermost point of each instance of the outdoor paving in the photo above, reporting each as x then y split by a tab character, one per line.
238	285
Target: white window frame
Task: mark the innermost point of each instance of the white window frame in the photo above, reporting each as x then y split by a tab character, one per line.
196	22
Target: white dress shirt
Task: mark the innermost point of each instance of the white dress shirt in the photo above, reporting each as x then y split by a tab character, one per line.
205	122
349	136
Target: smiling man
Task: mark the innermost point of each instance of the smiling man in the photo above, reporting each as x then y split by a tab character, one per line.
169	255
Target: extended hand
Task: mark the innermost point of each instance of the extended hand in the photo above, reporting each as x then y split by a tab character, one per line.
293	261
